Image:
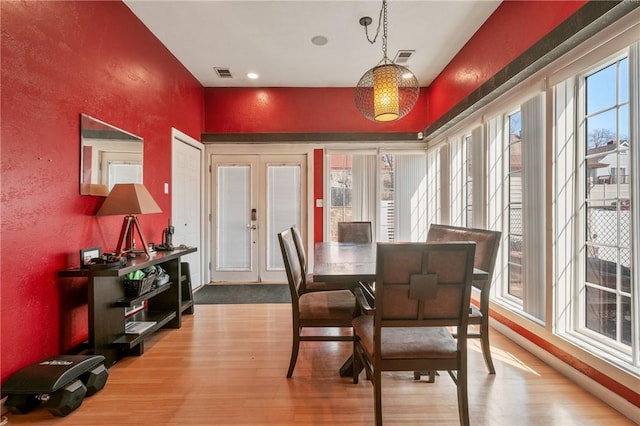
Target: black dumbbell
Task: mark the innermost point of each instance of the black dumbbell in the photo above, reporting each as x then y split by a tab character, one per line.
64	401
21	403
95	379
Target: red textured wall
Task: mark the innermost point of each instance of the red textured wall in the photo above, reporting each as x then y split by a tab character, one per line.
297	110
60	59
514	27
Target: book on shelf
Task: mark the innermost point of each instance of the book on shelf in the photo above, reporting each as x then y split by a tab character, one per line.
138	327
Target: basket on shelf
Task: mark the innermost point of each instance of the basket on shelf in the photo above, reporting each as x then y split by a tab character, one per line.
133	288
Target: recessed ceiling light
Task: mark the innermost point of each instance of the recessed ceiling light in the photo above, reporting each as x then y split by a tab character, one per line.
319	40
252	75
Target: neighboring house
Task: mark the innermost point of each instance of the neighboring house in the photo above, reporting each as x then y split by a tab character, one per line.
603	160
609	174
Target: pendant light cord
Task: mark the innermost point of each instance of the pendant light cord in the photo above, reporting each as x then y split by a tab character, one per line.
382	19
384	33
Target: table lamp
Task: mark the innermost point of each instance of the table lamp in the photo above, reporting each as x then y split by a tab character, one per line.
129	199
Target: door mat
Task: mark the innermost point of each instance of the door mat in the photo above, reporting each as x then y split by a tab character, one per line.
220	294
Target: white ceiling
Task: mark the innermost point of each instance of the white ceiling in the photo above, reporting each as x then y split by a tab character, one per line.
273	38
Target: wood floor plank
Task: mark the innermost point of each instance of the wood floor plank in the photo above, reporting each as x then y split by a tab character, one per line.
227	366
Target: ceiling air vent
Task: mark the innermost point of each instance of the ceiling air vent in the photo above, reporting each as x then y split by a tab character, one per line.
403	56
223	72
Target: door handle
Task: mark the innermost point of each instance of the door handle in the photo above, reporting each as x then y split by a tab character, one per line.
251	226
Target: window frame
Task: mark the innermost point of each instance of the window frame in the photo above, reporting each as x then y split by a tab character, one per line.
610	348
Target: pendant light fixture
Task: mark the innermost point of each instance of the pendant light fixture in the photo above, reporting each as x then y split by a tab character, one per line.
388	91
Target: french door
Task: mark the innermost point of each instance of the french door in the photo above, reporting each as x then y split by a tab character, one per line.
254	197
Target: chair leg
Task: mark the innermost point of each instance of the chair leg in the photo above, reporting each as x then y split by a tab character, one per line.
356	359
294	353
463	397
377	392
486	347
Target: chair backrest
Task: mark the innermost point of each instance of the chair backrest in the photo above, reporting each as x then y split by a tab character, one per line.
302	254
487	243
291	265
354	232
423	284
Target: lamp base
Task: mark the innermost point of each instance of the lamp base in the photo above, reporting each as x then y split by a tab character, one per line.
127	233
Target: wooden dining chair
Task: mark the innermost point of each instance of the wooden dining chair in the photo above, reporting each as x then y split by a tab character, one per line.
313	309
421	290
487	245
355	232
309	284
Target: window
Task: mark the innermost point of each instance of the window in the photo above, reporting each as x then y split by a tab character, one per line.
596	230
387	188
514	205
606	291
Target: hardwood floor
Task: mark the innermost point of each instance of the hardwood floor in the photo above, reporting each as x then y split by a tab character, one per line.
227	366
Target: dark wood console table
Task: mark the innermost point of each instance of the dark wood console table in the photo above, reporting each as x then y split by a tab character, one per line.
107	301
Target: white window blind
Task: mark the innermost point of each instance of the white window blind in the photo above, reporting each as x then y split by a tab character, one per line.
458	179
564	218
410	198
478	195
533	212
364	188
433	187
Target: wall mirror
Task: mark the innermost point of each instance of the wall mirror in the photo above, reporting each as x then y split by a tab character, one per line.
108	155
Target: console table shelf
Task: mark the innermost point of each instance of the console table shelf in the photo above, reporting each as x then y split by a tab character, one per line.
128	302
130	341
107	302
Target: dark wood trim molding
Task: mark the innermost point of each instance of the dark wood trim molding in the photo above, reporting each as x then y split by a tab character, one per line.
308	137
593	17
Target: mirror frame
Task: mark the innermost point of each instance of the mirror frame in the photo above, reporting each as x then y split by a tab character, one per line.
111	141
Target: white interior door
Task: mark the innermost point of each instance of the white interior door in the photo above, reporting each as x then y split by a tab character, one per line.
186	201
255	197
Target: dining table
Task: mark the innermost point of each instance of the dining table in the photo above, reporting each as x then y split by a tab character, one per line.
354	262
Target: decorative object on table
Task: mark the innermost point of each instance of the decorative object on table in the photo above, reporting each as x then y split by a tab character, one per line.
137	283
105	261
388	91
89	253
167	238
129	199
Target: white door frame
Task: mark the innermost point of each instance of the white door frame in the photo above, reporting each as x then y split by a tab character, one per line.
179	137
306	149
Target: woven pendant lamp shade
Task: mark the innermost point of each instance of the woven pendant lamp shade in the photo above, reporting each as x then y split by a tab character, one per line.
387	92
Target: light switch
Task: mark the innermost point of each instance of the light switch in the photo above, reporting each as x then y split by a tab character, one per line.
319	202
166	188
